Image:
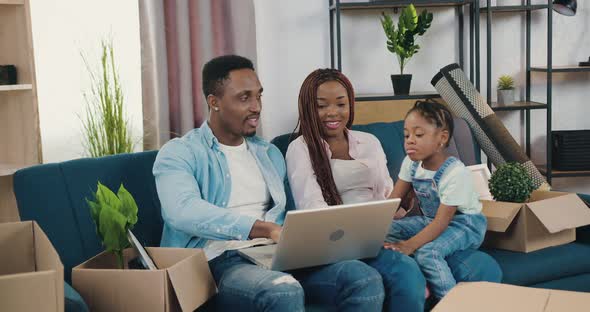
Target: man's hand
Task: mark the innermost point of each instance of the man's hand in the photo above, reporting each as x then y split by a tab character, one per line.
266	230
403	247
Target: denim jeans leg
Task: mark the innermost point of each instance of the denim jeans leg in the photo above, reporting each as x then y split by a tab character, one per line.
473	265
347	286
432	256
403	281
243	286
406	228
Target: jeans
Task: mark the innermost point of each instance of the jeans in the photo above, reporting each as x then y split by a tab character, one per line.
463	233
402	279
345	286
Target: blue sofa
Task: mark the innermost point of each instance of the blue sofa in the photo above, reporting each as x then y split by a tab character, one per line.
54	195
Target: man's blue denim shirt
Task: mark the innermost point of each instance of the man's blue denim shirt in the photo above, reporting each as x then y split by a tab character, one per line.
194	185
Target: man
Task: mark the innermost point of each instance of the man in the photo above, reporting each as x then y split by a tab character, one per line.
221	187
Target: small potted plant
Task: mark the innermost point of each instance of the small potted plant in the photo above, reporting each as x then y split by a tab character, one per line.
505	90
401	41
113	215
511	183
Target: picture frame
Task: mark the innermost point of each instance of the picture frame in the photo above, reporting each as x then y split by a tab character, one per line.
481	177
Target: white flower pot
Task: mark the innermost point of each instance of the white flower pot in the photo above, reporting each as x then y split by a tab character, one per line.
505	97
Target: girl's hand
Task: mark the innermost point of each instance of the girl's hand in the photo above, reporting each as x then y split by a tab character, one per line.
403	247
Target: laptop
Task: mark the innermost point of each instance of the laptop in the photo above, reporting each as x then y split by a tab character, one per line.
327	235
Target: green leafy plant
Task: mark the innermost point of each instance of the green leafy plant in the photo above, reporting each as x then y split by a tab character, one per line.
401	41
113	215
505	82
511	183
106	128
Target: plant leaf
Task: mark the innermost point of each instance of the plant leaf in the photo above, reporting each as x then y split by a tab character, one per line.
128	206
106	198
112	228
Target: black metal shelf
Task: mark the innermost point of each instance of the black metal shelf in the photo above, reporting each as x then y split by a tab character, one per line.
519	106
562	69
366	5
389	96
513	8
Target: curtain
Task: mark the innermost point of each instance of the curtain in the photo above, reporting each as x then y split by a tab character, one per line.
177	38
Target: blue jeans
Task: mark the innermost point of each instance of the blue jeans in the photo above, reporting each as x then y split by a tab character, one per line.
463	233
402	279
346	286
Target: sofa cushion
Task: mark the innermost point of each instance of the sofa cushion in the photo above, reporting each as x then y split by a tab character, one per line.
543	265
579	282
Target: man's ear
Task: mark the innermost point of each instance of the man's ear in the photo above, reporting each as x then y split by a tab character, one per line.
213	102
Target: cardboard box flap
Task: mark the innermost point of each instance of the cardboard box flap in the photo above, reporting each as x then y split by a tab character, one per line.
561	213
567	301
166	257
17	237
499	214
493	297
192	280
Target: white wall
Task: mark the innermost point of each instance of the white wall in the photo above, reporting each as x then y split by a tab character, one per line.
293	40
62	29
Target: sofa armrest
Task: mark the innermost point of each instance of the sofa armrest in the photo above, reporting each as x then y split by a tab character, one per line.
73	301
583	233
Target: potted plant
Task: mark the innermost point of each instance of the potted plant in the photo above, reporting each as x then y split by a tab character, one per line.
401	41
106	128
113	215
505	90
511	183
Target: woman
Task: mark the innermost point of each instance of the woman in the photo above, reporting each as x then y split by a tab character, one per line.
329	164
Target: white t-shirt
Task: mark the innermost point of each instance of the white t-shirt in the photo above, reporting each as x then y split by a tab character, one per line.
249	195
455	188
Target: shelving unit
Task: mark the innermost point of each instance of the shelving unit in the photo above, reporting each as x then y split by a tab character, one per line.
527	105
19	117
337	7
18	87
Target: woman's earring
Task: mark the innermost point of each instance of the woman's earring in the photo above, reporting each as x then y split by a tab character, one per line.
216	109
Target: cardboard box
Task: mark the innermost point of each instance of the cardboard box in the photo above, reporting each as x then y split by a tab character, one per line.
183	281
493	297
31	273
548	219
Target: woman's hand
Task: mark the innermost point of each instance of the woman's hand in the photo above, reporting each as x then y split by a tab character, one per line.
400	213
404	247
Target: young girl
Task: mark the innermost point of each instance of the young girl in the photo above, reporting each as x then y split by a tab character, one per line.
452	218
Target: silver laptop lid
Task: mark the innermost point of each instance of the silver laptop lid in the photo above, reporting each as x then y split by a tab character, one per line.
327	235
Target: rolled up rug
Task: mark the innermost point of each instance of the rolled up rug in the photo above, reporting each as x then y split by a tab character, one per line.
465	102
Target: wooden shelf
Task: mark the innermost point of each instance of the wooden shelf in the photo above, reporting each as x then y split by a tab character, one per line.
364	5
514	8
17	87
390	96
9	169
519	105
560	173
562	69
12	2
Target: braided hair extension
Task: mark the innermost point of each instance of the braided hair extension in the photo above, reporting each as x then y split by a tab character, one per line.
435	113
310	127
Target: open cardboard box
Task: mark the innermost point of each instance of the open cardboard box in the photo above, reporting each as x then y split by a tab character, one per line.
493	297
183	281
548	219
31	273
